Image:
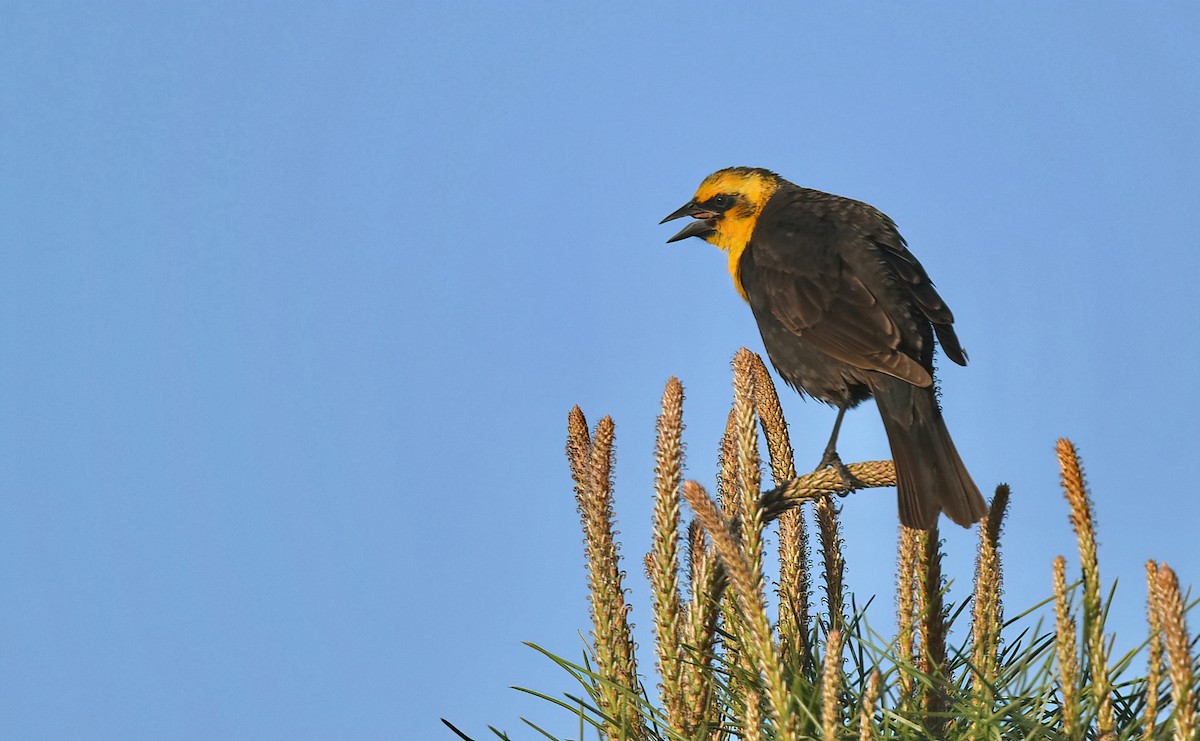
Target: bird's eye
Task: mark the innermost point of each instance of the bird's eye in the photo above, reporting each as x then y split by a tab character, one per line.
722	202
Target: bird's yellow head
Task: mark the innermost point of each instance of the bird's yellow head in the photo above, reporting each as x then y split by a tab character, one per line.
725	208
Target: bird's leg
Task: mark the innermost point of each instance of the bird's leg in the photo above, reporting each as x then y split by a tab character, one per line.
831	457
832	460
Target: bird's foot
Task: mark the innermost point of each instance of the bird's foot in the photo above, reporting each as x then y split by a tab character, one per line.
832	460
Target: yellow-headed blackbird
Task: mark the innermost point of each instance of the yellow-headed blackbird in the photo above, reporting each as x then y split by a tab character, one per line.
846	312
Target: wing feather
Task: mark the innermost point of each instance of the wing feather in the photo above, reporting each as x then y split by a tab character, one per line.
805	280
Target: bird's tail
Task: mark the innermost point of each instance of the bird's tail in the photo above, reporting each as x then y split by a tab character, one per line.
930	476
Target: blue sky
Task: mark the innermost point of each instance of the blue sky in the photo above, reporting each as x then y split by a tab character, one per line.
294	302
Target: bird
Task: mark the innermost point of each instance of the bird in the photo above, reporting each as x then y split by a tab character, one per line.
846	313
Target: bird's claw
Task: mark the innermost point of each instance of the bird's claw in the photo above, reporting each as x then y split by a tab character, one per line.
832	460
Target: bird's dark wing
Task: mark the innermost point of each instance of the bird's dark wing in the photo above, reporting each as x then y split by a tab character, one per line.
911	274
814	271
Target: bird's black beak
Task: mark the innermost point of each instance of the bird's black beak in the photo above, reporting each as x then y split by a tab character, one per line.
704	226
